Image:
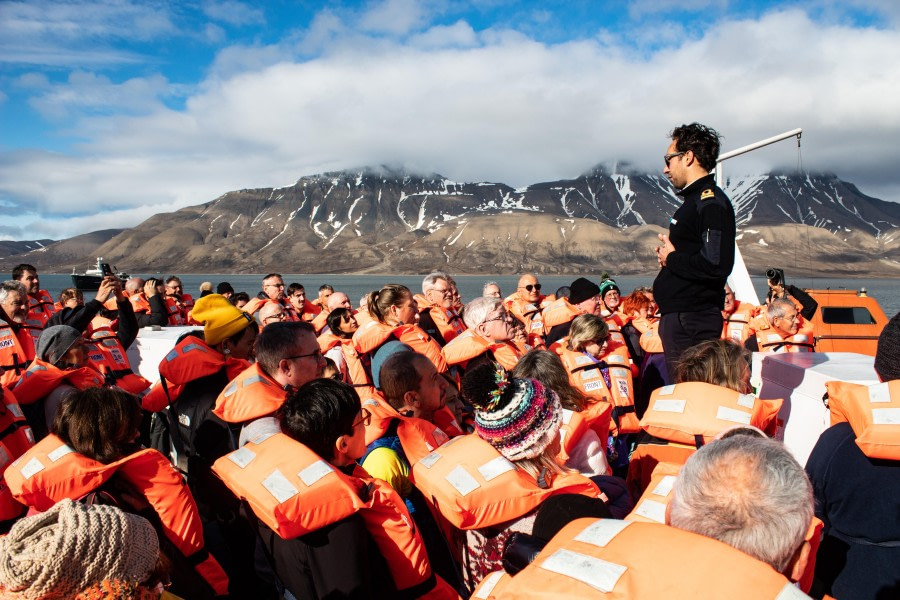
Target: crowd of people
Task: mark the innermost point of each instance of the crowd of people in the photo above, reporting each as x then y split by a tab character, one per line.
582	443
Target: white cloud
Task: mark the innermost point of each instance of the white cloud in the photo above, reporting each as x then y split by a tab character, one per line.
86	92
492	105
394	16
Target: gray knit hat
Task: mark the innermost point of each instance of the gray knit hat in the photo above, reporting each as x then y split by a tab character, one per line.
887	356
55	341
58	553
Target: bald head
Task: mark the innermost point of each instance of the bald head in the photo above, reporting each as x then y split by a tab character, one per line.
271	312
338	300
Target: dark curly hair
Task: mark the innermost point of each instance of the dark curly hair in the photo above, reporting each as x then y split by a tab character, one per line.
703	141
318	413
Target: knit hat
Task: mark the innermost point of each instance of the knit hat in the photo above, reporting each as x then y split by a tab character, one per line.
887	356
55	341
224	288
220	318
58	553
518	417
607	285
383	353
581	290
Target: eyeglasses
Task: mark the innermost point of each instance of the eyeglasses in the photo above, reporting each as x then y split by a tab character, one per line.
669	157
504	316
530	287
794	317
445	291
278	285
366	418
280	316
317	353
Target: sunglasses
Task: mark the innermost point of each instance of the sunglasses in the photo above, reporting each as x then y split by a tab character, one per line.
669	157
530	287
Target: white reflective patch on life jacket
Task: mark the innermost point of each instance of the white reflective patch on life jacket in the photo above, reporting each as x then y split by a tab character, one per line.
674	406
242	457
583	360
7	342
886	416
31	468
495	468
595	572
314	472
590	374
666	390
773	337
439	436
791	592
664	487
623	387
488	585
4	457
279	486
725	413
653	510
15	410
616	359
536	325
460	479
879	393
746	400
428	460
370	402
801	337
601	532
594	385
29	434
735	334
57	454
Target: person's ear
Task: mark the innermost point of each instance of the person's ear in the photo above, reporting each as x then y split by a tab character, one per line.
797	567
341	445
411	398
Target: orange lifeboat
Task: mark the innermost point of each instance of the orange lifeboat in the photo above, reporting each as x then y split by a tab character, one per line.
847	321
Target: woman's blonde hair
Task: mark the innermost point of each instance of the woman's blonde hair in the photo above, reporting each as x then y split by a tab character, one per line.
586	329
719	362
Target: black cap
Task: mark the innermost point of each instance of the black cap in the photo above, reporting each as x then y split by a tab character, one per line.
582	289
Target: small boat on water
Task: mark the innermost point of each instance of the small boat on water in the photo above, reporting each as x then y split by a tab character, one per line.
91	279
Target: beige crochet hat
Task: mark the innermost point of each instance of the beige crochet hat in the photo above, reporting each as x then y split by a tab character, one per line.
58	553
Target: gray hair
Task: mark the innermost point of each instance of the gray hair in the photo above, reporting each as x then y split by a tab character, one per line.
11	286
478	309
486	285
747	492
432	278
777	308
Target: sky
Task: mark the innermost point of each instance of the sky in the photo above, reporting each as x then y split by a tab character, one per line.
111	112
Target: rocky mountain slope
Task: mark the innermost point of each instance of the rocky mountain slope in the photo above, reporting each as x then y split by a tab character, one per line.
380	220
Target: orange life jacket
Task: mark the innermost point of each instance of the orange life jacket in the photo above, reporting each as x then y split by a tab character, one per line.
469	345
530	314
493	584
584	373
16	438
615	321
192	359
106	355
873	412
448	322
736	326
51	471
40	308
320	321
358	375
596	416
369	337
250	395
173	310
418	437
294	492
41	378
770	340
139	303
16	353
650	340
473	486
606	558
558	312
695	412
310	311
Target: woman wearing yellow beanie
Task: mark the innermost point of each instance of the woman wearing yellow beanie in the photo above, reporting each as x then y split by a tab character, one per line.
195	373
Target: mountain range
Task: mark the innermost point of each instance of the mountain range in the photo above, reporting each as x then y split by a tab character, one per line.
387	220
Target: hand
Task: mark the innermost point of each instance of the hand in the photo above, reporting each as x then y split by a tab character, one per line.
662	252
150	288
107	289
120	293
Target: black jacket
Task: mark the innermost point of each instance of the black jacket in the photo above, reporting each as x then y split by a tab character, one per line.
702	231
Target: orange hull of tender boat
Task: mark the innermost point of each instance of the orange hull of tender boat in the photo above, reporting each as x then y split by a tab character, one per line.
847	321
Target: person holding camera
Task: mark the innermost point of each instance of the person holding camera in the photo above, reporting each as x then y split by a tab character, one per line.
784	324
697	255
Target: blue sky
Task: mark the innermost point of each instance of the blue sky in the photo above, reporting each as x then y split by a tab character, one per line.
111	112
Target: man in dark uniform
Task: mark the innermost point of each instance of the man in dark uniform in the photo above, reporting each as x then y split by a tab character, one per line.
698	254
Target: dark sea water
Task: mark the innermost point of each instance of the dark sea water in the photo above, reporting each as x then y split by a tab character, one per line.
886	291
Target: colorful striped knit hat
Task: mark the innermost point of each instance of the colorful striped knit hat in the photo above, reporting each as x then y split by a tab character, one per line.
518	417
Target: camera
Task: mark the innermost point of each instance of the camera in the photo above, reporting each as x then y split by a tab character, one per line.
775	276
106	269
